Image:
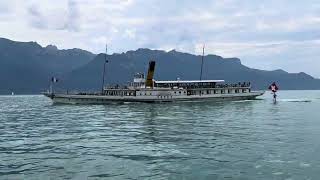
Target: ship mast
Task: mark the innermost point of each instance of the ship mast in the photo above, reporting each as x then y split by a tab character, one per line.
202	62
104	69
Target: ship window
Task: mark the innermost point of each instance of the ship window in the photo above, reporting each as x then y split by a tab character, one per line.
140	94
229	91
145	94
208	92
179	92
150	94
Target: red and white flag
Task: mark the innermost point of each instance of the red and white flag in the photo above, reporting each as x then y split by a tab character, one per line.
273	87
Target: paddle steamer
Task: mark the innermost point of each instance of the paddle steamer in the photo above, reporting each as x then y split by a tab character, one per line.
149	90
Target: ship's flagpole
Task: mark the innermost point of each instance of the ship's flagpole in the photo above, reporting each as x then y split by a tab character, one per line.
202	62
104	69
51	87
52	81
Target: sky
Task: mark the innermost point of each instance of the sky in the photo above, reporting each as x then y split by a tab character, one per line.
264	34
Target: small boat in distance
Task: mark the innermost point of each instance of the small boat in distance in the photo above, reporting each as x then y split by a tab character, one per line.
149	90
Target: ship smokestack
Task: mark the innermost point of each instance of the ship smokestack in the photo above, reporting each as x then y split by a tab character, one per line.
149	80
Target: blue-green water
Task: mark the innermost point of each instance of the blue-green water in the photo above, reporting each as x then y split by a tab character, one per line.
198	140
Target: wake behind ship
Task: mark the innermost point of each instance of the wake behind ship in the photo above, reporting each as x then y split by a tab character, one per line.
149	90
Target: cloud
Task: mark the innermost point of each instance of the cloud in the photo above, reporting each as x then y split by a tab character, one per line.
37	19
264	34
3	8
73	22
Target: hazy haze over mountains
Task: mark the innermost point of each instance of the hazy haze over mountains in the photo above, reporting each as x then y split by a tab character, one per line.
26	67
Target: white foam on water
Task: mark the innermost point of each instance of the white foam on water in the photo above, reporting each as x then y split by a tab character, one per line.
304	164
258	166
277	173
294	100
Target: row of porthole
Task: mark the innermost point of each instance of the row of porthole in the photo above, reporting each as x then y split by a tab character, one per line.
224	91
164	97
184	92
120	94
89	99
174	93
146	94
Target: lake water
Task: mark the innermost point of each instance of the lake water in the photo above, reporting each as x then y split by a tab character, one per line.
198	140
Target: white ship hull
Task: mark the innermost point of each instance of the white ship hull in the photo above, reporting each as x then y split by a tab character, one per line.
103	99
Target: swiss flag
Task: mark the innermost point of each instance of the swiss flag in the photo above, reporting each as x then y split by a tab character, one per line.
273	87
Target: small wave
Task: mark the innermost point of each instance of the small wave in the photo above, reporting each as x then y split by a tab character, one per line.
304	165
277	173
105	175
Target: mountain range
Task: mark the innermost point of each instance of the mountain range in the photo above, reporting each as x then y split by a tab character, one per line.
26	68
